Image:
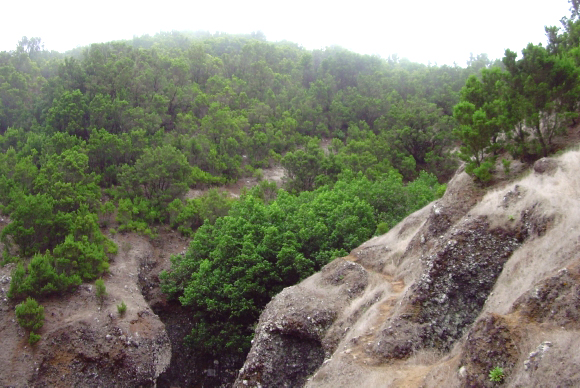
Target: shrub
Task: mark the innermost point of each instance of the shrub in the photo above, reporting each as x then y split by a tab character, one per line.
122	308
106	212
100	289
30	314
259	174
18	277
33	338
481	172
382	228
506	165
440	192
87	259
496	374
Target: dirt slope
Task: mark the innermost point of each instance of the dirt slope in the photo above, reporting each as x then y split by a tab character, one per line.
468	283
86	343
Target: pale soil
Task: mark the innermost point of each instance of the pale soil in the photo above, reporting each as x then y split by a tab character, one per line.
275	174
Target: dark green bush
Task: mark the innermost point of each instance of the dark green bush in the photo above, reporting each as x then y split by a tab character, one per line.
33	338
234	267
30	315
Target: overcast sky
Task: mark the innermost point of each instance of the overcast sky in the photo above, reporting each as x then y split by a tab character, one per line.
442	32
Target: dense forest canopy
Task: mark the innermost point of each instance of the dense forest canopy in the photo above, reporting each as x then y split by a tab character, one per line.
108	138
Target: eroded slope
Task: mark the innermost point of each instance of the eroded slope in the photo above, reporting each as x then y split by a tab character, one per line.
85	342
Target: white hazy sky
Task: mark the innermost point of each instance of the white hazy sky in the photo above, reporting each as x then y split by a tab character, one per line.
442	32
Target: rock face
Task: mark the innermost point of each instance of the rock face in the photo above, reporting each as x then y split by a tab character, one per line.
113	355
456	281
292	338
467	284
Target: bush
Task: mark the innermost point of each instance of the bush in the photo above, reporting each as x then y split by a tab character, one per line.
382	228
481	172
71	262
506	165
40	278
235	265
496	374
30	314
88	259
33	338
100	289
106	212
122	308
440	192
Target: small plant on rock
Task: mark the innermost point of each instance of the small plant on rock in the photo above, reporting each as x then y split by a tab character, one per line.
496	375
382	228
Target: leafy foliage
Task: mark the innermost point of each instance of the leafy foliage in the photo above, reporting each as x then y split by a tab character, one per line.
236	265
33	338
521	109
160	175
30	315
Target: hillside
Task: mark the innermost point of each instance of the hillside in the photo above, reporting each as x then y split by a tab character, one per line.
157	193
475	280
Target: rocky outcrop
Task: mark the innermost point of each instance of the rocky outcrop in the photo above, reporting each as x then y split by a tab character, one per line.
111	355
456	281
556	299
292	337
472	282
491	342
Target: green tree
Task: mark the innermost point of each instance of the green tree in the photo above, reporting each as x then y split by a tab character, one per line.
303	166
69	114
36	226
474	132
550	88
417	129
161	174
67	180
